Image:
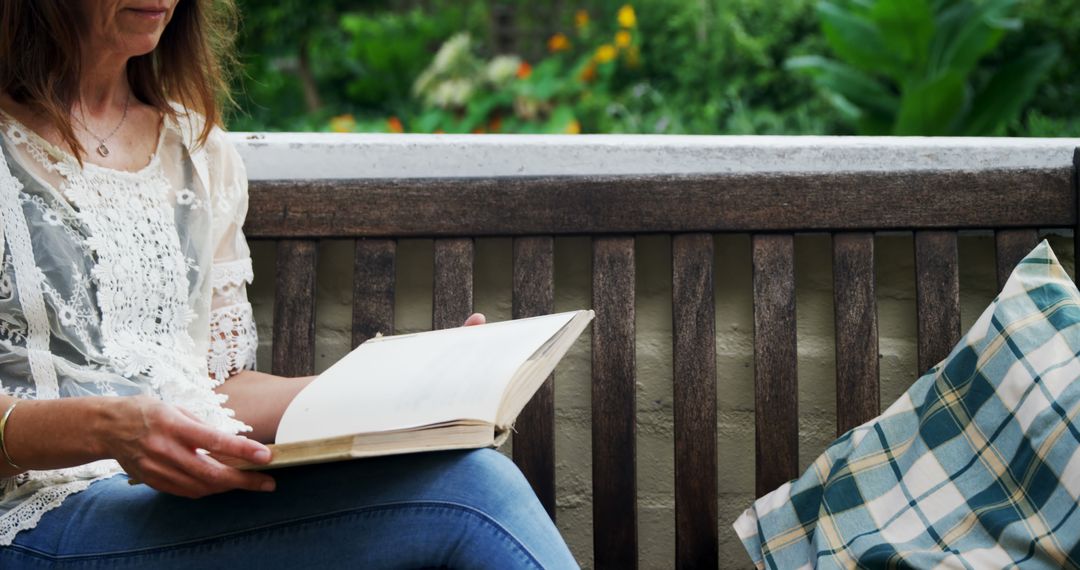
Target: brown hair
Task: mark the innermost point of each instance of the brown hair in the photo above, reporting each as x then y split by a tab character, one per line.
40	61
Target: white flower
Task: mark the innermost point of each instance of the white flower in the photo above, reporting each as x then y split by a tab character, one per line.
452	52
16	134
67	316
185	197
503	68
219	345
453	93
52	218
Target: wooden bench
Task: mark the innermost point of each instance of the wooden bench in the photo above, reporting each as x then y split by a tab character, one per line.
1013	203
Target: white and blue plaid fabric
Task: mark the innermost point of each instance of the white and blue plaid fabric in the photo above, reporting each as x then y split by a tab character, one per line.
976	466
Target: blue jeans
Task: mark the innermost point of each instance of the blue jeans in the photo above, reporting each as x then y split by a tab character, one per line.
457	509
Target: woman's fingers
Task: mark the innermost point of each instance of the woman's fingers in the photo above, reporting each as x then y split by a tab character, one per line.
201	436
160	445
193	435
475	319
215	477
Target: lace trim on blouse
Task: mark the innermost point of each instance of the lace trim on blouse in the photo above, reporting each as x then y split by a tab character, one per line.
45	494
233	341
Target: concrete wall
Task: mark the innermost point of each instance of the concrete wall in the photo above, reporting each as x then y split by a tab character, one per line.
301	155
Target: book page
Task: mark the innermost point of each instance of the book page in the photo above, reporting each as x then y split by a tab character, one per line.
405	381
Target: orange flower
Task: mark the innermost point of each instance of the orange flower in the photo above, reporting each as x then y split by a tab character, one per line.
393	124
605	53
343	123
479	131
627	17
573	127
558	42
589	73
581	19
622	39
496	124
524	70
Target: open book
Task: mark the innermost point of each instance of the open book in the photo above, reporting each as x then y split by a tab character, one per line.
448	389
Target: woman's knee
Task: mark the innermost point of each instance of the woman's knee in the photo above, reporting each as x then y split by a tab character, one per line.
486	466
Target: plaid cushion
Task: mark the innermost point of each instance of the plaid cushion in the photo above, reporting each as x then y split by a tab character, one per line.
976	466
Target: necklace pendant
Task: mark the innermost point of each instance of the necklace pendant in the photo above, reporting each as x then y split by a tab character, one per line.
103	150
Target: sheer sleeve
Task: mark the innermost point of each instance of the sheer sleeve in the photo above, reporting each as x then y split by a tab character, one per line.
233	338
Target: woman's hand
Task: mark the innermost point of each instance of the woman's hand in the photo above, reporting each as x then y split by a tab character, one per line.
156	444
475	319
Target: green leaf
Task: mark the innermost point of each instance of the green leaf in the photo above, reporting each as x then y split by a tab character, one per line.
860	89
965	34
907	28
856	39
1011	86
931	106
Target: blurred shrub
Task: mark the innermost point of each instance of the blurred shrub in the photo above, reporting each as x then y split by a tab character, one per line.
571	87
912	67
1053	111
306	61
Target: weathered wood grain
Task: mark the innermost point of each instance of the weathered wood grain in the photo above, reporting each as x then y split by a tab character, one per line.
534	438
373	288
452	300
662	203
613	406
775	361
855	308
1012	246
293	352
694	358
937	296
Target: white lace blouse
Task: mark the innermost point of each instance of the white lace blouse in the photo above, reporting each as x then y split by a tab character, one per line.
119	283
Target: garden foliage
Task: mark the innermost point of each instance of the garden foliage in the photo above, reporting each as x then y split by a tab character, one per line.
662	66
912	67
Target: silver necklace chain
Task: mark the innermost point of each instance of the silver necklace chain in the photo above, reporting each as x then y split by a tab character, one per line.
102	149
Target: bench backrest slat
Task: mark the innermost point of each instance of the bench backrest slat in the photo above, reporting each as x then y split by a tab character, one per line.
534	435
855	308
1011	246
452	300
374	278
294	308
694	400
937	296
614	481
776	412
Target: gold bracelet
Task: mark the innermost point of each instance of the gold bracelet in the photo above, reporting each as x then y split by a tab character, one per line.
3	443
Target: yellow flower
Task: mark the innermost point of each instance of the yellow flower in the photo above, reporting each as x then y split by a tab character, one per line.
581	19
605	53
343	123
627	17
558	42
622	39
573	127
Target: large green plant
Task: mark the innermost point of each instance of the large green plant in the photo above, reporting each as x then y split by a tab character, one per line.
912	67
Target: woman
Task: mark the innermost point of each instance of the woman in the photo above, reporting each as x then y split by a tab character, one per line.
124	328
